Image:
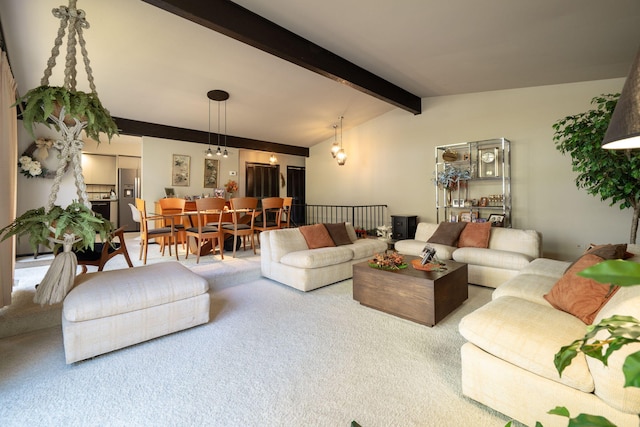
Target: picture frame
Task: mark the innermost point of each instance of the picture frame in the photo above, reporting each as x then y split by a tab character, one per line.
211	173
455	203
169	192
496	220
427	254
484	202
465	217
219	192
181	170
453	218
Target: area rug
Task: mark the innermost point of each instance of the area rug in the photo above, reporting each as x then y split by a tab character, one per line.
270	356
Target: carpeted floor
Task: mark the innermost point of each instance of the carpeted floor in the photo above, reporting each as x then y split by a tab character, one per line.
270	356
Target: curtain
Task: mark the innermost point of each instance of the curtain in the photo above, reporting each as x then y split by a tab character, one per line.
8	175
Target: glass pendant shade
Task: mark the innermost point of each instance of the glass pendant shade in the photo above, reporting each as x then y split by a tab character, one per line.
335	147
624	128
341	157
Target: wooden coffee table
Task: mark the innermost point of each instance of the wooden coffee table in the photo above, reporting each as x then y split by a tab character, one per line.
420	296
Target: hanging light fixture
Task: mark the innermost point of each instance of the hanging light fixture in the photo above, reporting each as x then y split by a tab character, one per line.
335	147
273	159
225	154
624	128
341	156
209	153
219	95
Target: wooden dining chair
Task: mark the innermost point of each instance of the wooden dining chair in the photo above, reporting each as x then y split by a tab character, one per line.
243	209
269	218
202	230
174	205
104	251
147	233
287	203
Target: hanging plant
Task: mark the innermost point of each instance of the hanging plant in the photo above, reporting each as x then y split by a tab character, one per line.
43	101
75	219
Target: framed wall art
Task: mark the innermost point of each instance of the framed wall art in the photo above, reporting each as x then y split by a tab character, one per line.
211	171
181	170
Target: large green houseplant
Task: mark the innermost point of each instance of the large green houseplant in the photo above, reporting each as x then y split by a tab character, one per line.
610	174
41	102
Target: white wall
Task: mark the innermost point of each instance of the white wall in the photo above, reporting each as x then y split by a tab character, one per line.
391	161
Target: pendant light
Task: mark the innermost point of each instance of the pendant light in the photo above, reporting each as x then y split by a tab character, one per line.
219	96
209	153
225	154
341	156
335	147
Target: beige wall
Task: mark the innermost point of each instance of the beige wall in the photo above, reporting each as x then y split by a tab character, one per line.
156	167
391	161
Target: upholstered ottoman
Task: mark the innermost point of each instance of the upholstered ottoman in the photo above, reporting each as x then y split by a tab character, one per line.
109	310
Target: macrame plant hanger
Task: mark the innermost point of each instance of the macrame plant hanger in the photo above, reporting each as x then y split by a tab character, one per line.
59	279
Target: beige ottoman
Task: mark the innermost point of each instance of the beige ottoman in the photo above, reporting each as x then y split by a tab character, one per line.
109	310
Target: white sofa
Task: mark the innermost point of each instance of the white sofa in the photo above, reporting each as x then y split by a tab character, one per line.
509	251
286	258
507	363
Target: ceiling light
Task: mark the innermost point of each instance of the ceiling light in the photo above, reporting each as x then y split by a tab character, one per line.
217	95
341	156
335	147
624	128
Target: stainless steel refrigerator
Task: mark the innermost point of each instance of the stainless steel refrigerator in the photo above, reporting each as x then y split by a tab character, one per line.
128	190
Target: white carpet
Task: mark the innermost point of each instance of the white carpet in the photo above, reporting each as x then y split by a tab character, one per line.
270	356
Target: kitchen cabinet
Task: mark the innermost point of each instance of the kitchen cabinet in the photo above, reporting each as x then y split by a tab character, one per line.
99	169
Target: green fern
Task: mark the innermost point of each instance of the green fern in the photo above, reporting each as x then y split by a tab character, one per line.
40	102
75	218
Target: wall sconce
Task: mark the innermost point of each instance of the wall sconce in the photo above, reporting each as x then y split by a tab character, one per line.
273	159
341	156
624	128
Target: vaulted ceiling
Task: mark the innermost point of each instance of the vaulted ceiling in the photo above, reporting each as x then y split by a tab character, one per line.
155	60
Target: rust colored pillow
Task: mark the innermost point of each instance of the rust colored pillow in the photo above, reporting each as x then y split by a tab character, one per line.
578	295
475	235
316	236
447	233
338	233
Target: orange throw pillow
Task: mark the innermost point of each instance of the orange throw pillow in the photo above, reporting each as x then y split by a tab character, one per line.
475	235
316	236
578	295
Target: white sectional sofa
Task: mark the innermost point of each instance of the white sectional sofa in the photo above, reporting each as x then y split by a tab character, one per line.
286	258
508	361
509	250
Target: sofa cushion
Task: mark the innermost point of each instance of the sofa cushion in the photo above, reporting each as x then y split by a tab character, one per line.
546	267
424	230
351	231
319	257
338	233
492	258
284	241
364	248
316	236
475	235
528	335
447	233
528	242
109	293
579	295
531	287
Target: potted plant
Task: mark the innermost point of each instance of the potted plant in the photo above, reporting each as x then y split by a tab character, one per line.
76	219
41	102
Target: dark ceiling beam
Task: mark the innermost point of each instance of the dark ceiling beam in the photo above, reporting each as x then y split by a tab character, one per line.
241	24
137	128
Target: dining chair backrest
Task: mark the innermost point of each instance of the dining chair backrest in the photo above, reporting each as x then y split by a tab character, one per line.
208	207
271	212
243	207
172	205
135	213
287	202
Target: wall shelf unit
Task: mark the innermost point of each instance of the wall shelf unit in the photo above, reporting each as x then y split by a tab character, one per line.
483	190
